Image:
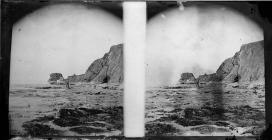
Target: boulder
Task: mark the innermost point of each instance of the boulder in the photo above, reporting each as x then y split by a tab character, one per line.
187	78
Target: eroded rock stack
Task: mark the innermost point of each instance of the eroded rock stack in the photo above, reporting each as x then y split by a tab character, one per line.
55	78
187	78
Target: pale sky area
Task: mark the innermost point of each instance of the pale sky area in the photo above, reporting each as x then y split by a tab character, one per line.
61	38
194	40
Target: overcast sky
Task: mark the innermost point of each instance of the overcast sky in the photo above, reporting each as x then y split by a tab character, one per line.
194	40
61	38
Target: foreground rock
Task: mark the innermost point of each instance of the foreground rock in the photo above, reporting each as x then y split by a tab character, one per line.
208	119
187	78
84	121
86	130
158	129
36	129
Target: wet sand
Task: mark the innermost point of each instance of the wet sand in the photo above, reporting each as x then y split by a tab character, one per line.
212	110
83	110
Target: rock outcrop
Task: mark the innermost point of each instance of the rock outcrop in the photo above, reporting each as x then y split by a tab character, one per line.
55	78
76	78
245	66
108	69
227	71
187	78
208	78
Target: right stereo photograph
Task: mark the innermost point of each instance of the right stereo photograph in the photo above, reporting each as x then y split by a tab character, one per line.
204	70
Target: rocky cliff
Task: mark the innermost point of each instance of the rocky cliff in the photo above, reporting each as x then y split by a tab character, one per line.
245	66
108	69
187	78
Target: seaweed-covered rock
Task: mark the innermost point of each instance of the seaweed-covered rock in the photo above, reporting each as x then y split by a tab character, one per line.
214	113
86	130
84	116
37	129
74	117
208	129
159	129
190	122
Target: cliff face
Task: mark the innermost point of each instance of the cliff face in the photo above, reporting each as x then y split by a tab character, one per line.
245	66
187	78
108	69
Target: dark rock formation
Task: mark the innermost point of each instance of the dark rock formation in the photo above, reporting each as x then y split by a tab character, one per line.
227	66
251	62
80	120
76	78
158	129
36	129
108	69
54	77
83	116
84	130
208	78
187	78
245	66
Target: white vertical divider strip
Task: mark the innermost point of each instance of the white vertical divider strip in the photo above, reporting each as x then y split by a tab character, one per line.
134	68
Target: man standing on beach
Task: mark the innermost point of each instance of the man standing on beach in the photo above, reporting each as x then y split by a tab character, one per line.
67	83
197	83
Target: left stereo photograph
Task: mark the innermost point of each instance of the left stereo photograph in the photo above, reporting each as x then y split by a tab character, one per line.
66	70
